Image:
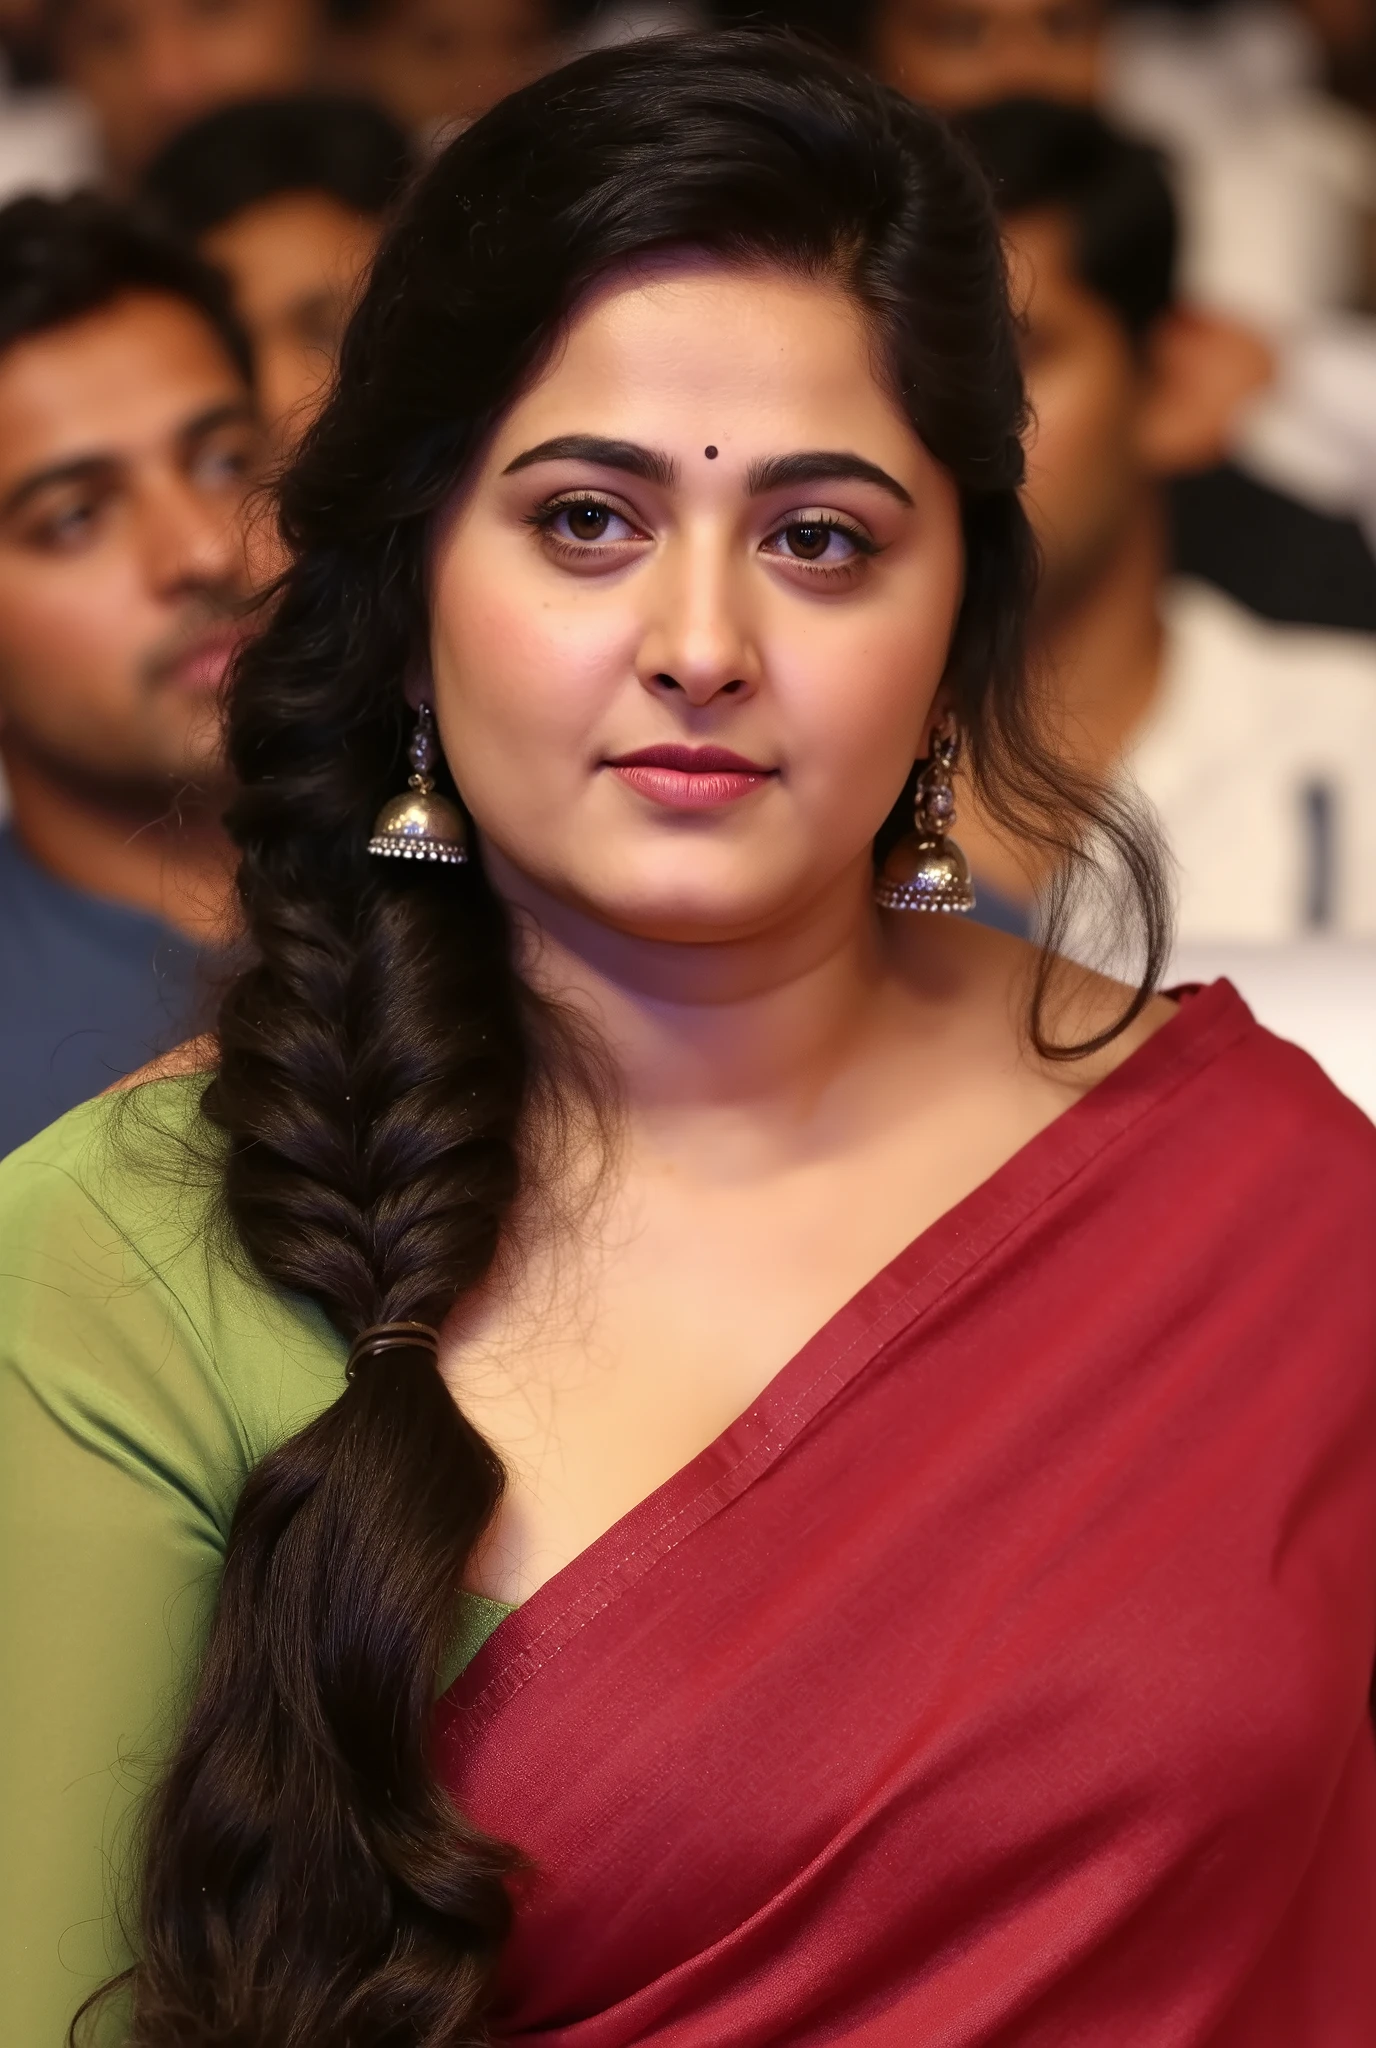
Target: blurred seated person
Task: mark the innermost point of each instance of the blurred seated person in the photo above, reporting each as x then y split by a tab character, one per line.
1283	512
1268	109
965	53
47	136
128	432
1279	178
287	197
433	63
1255	743
148	67
24	42
1267	112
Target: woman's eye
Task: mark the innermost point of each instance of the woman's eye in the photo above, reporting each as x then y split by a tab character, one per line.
810	543
819	542
586	522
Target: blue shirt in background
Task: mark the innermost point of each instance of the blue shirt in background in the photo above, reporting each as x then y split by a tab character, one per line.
89	990
1002	912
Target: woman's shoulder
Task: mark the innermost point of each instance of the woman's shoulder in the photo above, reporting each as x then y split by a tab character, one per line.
1244	1131
1284	1093
123	1288
120	1154
1205	1085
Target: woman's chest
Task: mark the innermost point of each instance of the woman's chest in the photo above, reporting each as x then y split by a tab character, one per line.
625	1357
1034	1655
640	1335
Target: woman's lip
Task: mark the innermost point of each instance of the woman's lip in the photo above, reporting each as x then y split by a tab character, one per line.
690	760
690	778
697	789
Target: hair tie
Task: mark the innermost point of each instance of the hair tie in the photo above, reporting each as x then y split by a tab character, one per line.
380	1337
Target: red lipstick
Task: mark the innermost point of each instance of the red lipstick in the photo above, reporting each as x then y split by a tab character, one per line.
690	778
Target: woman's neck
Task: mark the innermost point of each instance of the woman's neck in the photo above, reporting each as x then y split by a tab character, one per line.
764	1020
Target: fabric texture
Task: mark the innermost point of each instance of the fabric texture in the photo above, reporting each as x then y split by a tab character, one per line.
1274	173
90	990
144	1369
1283	559
1000	912
1037	1713
998	1678
1260	759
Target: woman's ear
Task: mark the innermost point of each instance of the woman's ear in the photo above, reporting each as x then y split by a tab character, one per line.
1201	369
419	687
941	713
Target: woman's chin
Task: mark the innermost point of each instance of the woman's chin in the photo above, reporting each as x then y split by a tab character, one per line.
676	922
697	909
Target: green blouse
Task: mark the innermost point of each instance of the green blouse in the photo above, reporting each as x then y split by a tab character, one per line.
144	1368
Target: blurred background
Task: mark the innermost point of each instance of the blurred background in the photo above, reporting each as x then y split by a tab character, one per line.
190	195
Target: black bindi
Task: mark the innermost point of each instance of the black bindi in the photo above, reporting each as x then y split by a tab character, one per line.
710	453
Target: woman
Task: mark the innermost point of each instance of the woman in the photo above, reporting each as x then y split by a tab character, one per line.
775	1473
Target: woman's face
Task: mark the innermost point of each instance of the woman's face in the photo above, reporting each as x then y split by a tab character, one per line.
690	614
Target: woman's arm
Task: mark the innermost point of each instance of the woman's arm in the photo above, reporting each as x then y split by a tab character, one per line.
120	1460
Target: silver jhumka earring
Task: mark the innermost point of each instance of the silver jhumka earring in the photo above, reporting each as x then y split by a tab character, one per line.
418	824
928	871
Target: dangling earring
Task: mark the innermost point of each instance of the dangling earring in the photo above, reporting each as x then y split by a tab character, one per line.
419	825
928	871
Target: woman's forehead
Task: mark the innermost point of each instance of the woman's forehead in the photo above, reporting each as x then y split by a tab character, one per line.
703	352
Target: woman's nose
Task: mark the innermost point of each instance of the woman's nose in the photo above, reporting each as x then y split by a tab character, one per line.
699	642
699	691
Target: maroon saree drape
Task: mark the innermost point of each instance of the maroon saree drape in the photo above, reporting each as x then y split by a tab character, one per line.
1001	1676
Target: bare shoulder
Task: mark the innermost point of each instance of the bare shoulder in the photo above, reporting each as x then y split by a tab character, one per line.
994	985
1079	1006
192	1056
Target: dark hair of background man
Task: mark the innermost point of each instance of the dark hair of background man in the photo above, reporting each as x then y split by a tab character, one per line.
1042	157
1284	560
62	258
247	153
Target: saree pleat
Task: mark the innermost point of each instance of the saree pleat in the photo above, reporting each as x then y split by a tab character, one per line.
1001	1675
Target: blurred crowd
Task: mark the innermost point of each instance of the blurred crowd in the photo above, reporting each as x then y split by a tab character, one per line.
190	195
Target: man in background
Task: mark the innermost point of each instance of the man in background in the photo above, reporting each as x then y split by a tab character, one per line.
128	436
434	63
1282	513
967	53
1255	743
48	141
148	67
287	197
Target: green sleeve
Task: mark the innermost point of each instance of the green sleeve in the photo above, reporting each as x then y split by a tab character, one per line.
144	1370
124	1442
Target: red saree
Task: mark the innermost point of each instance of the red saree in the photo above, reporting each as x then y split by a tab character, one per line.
1001	1676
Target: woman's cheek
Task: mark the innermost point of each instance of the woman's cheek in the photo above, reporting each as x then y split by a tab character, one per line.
866	700
519	652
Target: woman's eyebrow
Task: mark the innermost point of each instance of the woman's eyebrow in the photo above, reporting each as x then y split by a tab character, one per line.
818	466
648	463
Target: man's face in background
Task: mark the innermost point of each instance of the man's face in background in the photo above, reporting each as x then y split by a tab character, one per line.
433	62
954	54
1088	389
128	441
1114	413
148	67
296	263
